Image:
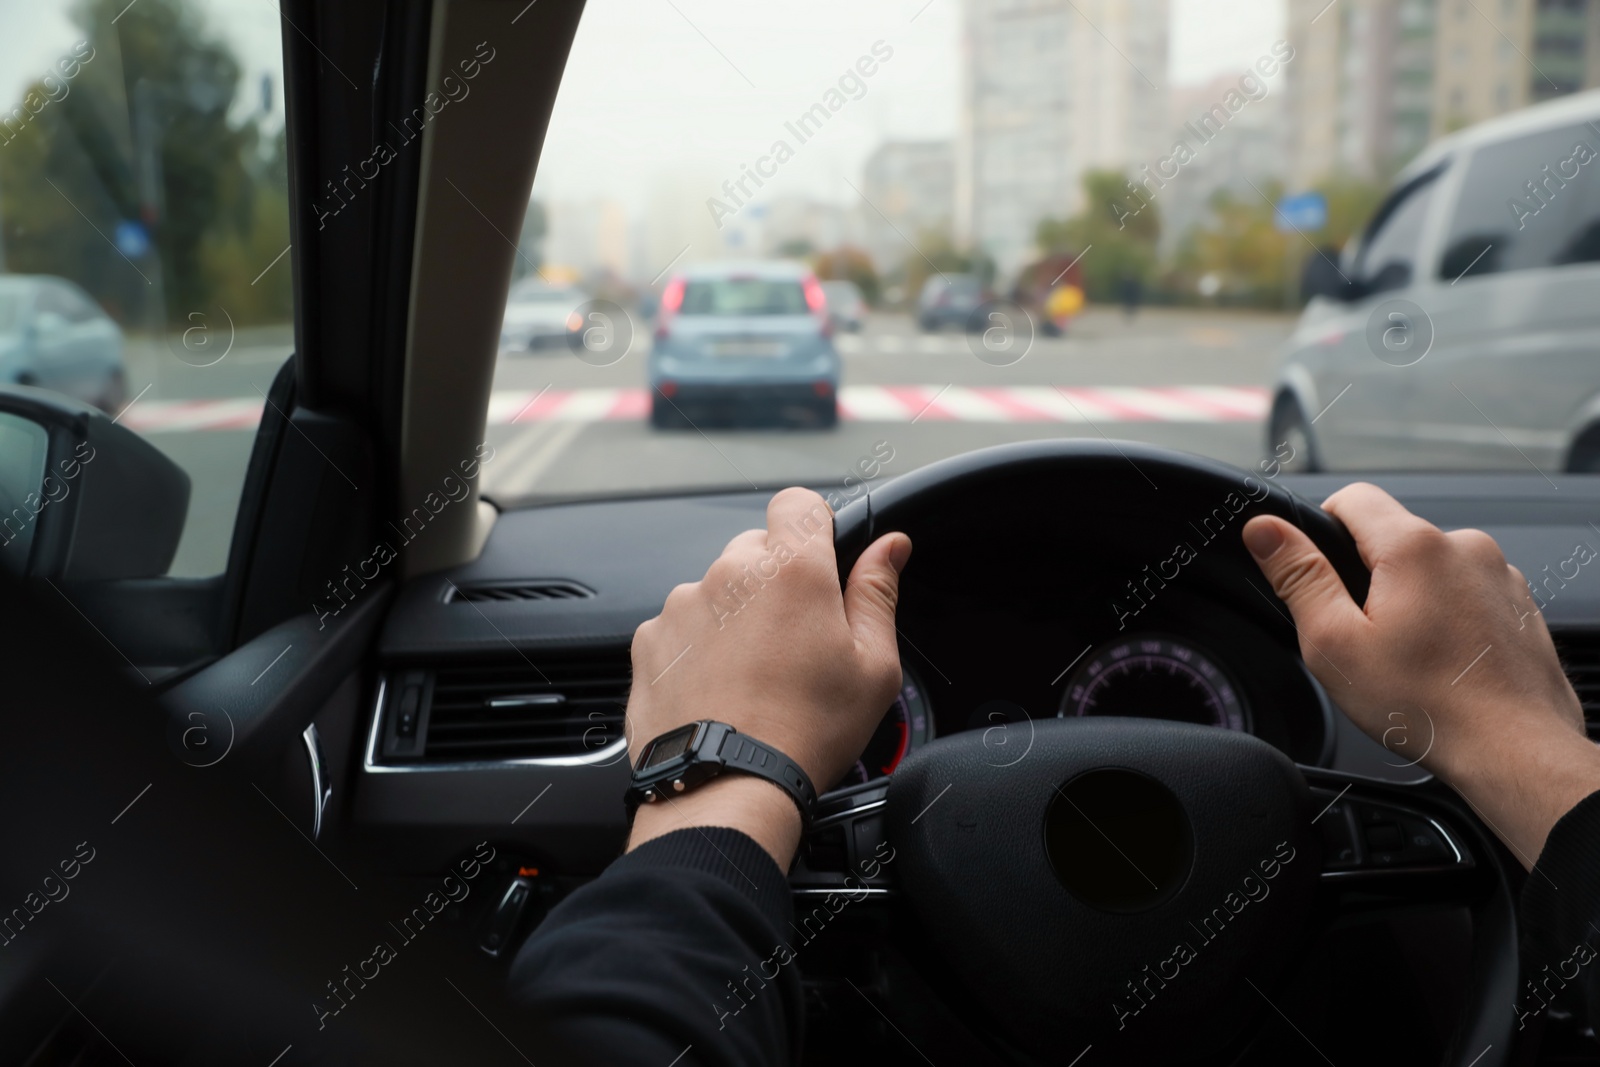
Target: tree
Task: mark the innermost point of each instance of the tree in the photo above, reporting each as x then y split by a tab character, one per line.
1116	234
1351	202
850	264
1240	244
141	139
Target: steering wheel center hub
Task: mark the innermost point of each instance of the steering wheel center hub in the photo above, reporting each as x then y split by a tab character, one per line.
1118	840
1117	886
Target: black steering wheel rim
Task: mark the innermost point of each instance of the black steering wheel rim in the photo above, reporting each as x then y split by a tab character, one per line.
912	501
902	502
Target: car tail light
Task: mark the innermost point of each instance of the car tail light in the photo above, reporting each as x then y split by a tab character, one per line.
667	388
672	297
671	301
822	388
816	299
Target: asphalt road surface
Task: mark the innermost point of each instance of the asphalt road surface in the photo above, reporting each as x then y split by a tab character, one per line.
561	427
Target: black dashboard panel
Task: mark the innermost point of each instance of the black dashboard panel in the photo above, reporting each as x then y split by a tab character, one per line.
999	631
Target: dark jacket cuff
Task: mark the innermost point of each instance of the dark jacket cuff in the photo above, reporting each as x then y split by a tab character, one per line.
727	854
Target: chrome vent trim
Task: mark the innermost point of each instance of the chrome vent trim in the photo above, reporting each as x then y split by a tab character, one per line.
504	714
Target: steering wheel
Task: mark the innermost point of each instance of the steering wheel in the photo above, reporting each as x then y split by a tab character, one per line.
1139	886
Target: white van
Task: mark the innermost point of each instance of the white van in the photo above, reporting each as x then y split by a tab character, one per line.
1462	328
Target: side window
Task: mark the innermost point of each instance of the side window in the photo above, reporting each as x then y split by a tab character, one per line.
1525	204
74	306
51	301
1389	254
144	189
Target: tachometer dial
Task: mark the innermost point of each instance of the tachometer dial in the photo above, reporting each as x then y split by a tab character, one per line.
907	724
1154	676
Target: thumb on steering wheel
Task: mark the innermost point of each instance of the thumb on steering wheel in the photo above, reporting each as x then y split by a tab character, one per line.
1300	574
872	592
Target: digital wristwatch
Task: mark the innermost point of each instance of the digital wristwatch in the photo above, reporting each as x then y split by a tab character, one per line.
693	754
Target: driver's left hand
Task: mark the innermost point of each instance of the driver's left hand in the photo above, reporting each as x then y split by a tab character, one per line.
767	643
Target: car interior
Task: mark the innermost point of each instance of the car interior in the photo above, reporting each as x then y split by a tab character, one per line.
399	683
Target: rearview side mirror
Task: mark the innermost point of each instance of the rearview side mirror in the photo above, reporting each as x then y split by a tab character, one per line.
82	498
1322	276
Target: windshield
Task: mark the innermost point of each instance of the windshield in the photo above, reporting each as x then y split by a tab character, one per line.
543	295
1344	237
743	296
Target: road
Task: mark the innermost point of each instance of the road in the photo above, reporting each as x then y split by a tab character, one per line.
1192	380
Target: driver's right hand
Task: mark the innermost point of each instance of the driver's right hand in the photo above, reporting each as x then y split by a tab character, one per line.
1449	656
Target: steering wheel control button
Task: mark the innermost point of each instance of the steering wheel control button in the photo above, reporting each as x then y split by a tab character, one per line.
1340	848
1371	837
1118	840
845	850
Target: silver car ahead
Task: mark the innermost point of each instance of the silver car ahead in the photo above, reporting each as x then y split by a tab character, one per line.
1462	328
539	315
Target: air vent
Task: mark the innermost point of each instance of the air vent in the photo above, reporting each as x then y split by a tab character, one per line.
532	589
556	706
1580	656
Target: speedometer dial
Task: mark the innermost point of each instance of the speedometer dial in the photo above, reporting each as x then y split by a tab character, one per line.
1153	676
908	724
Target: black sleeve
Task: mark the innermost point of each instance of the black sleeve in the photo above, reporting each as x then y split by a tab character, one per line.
1560	913
676	954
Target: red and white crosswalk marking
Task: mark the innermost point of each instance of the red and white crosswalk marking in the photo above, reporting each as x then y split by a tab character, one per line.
858	403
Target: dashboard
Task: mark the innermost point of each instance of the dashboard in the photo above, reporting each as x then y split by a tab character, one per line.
495	706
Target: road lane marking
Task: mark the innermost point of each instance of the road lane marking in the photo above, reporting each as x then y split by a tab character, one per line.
858	403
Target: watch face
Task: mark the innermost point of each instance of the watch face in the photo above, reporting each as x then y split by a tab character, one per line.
669	746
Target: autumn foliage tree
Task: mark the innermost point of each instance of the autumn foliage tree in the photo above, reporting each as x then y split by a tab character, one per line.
851	264
143	138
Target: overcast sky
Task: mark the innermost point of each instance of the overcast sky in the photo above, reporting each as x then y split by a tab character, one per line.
697	88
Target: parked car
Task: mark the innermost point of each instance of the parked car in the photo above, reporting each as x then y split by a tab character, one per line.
948	300
539	315
745	343
53	335
1463	322
846	307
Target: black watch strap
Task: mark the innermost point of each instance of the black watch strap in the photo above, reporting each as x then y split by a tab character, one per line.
693	754
741	752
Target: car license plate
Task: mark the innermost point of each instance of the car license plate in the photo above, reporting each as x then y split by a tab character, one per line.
738	349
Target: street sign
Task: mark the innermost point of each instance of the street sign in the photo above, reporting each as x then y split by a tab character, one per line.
131	239
1303	213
